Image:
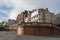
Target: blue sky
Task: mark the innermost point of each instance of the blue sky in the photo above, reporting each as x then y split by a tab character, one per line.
9	9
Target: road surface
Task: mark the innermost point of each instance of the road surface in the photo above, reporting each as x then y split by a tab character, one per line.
4	35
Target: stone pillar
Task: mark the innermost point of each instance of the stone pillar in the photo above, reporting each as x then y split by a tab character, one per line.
20	30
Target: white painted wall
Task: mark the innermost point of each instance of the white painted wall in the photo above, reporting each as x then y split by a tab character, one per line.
34	13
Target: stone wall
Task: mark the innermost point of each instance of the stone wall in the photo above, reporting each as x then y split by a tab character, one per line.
32	30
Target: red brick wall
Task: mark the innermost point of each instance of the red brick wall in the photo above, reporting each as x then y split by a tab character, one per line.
40	31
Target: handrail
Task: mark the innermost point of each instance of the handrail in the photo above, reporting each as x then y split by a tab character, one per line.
58	28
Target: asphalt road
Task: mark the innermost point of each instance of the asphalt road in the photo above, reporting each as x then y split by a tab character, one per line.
4	35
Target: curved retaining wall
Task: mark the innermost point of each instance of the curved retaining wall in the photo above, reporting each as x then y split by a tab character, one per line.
38	30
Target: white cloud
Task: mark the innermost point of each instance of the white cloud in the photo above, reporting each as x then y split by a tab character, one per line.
13	14
20	5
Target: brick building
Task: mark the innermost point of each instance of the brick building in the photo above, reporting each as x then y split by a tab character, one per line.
22	16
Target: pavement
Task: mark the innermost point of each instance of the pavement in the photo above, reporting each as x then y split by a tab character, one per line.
26	37
5	35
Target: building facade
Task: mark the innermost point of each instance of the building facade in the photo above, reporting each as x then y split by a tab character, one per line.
57	17
12	22
37	15
22	16
41	15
